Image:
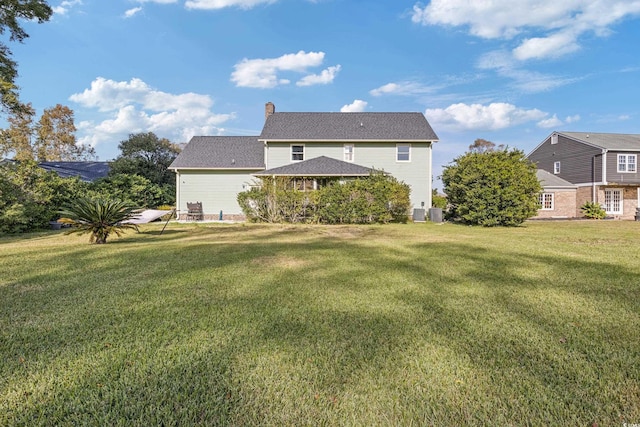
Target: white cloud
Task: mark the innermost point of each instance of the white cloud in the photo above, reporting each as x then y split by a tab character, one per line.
220	4
461	117
131	12
263	73
65	6
523	80
572	119
325	77
559	23
405	88
357	106
551	122
134	106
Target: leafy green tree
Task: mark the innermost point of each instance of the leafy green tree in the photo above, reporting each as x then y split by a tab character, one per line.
437	200
52	138
12	12
31	196
133	189
146	155
99	218
481	145
492	188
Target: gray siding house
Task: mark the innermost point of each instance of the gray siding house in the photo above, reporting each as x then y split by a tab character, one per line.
311	147
602	166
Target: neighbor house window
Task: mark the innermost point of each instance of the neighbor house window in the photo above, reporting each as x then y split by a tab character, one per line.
297	153
627	163
556	168
546	201
554	138
613	201
403	152
348	153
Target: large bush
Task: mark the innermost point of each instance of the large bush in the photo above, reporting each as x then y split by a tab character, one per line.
491	188
135	190
379	198
31	196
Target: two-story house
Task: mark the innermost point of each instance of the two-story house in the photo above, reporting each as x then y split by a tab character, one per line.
602	166
309	147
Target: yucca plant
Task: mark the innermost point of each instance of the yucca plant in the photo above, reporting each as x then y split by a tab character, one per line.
98	217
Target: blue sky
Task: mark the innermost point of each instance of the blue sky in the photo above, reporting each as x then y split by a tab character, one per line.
508	71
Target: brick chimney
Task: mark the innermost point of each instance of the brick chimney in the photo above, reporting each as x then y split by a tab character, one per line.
269	109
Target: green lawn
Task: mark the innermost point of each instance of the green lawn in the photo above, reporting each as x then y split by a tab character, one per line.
412	324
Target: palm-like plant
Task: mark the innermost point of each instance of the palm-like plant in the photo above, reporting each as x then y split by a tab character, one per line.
99	218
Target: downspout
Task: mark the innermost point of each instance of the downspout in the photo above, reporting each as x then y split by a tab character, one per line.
604	169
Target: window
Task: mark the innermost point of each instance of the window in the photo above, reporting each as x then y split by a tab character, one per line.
297	153
627	163
554	138
403	152
348	153
546	201
613	201
556	168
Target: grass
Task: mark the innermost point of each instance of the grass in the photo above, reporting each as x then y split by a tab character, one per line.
417	324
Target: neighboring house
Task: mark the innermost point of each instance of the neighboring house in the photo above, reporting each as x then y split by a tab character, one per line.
86	171
313	148
602	166
558	197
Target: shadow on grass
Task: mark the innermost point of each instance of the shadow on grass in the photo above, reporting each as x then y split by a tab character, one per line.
245	325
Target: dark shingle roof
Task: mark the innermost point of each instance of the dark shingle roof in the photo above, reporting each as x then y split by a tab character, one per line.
348	127
610	141
549	180
87	171
221	152
318	166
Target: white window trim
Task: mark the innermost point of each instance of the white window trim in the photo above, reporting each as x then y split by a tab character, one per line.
541	200
626	163
556	168
353	153
397	152
291	152
621	201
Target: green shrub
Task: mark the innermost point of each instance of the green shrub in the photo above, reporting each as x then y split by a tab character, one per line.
492	188
133	189
98	217
593	210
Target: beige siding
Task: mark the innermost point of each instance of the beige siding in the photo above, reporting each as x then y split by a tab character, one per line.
378	155
217	190
564	204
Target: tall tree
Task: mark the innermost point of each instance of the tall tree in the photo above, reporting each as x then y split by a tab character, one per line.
52	138
11	12
56	139
481	145
146	155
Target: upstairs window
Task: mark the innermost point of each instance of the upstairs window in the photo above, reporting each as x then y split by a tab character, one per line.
403	152
556	168
297	153
348	153
627	163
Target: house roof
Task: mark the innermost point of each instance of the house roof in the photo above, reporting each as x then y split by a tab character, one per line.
549	180
610	141
86	171
347	127
221	152
318	166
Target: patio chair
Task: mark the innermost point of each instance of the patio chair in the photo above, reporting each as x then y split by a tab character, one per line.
194	211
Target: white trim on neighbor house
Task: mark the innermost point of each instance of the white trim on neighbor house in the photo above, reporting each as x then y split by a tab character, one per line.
546	201
305	140
299	154
627	163
403	153
604	166
254	168
614	201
